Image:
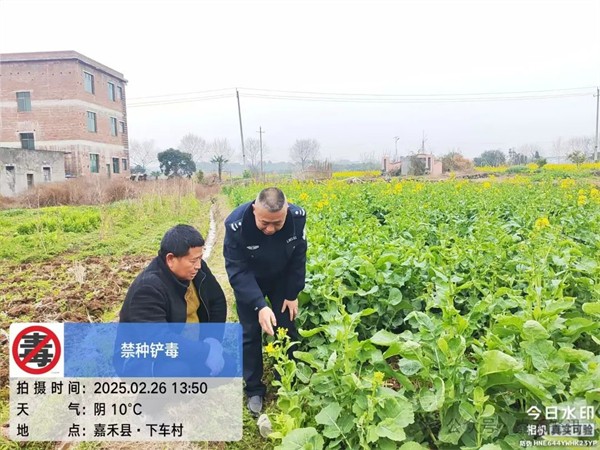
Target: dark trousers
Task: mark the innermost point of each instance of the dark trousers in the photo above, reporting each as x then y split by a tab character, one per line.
274	290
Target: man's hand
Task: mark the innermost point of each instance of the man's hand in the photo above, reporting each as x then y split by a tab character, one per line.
266	319
292	305
214	361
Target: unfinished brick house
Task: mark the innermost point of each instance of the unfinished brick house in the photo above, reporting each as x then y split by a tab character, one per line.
65	102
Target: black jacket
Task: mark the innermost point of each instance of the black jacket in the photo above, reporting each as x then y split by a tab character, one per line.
156	295
251	257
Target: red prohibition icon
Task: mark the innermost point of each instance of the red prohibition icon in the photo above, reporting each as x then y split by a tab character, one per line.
36	344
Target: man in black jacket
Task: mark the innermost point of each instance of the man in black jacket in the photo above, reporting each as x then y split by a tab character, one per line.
178	286
265	256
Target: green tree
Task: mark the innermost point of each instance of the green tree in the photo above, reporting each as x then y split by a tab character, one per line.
138	169
492	158
175	163
577	157
220	161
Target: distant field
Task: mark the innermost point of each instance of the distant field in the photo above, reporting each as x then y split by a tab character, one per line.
585	168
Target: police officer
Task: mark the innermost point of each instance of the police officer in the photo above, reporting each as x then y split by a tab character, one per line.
265	257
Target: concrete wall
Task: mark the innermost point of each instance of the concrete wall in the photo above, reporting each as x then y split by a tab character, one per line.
16	165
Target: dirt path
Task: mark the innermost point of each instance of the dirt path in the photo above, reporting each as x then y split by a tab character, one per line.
215	260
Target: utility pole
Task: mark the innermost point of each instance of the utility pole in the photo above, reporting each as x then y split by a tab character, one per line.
241	131
396	143
262	173
423	143
597	109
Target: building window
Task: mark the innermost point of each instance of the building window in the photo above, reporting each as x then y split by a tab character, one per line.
115	166
113	126
111	91
88	82
23	101
27	141
124	163
94	163
120	92
122	125
29	180
91	122
47	174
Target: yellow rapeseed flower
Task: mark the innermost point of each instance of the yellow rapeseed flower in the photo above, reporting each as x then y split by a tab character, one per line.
594	193
281	332
581	200
270	348
567	183
542	222
378	377
487	185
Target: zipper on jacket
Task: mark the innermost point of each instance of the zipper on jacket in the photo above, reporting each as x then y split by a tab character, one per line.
200	297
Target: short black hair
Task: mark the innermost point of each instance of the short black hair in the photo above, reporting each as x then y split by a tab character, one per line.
271	198
179	239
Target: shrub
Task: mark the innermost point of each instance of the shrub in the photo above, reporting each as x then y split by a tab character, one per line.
517	169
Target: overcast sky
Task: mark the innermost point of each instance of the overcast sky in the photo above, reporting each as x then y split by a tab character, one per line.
406	64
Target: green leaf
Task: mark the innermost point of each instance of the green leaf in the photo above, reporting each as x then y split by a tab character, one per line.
433	399
467	412
398	409
488	411
384	338
302	439
491	447
309	359
533	330
409	366
329	417
395	296
495	361
310	333
389	428
593	309
573	355
412	446
534	385
542	354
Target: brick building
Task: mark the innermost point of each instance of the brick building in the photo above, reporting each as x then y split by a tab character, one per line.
66	102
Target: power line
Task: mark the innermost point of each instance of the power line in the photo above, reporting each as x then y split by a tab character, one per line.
408	101
174	101
180	94
421	95
273	94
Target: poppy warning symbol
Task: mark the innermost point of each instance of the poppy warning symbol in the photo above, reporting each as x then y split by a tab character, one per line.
36	349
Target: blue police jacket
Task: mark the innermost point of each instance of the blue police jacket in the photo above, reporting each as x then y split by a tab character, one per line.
251	257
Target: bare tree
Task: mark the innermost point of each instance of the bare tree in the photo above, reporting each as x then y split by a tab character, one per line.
369	160
584	144
304	151
531	151
193	144
252	147
221	153
558	149
142	153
